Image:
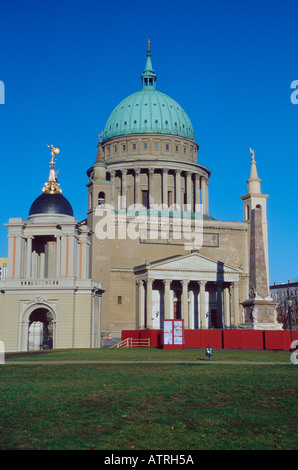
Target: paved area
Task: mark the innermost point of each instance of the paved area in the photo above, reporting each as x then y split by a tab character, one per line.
198	362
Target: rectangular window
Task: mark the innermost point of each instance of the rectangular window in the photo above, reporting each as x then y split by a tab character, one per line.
119	299
134	146
115	149
176	148
167	147
156	146
123	147
145	146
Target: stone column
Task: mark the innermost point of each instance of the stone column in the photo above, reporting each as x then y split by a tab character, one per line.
178	188
165	187
65	255
151	186
149	304
123	192
188	190
167	311
58	256
72	258
41	273
185	312
18	257
197	189
203	318
83	258
141	314
137	187
88	244
112	177
219	303
203	194
118	190
207	197
11	256
29	258
227	317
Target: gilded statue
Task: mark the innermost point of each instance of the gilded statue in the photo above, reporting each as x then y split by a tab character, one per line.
52	186
54	152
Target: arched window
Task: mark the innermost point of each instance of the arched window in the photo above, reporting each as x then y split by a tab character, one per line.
101	199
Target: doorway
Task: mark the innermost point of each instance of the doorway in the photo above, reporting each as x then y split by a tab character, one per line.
177	310
213	320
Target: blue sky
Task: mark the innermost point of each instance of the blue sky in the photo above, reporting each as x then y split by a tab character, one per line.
230	64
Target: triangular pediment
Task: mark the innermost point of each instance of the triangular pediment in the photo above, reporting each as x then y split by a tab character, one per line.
192	265
192	262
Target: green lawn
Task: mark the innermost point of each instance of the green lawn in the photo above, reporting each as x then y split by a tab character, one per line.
145	354
159	406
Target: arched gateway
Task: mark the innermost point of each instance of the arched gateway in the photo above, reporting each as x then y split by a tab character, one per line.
38	325
41	329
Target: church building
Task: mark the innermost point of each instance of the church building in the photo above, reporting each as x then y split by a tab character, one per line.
148	249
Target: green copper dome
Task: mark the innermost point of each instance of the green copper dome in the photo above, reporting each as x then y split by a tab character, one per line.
148	111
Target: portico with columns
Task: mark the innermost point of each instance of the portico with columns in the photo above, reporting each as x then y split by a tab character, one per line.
47	247
202	292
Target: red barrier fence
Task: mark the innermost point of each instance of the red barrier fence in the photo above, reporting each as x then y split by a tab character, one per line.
222	339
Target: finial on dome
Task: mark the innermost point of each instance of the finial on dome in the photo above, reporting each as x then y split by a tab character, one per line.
149	49
148	76
52	185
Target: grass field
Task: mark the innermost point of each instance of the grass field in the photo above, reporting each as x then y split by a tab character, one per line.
224	403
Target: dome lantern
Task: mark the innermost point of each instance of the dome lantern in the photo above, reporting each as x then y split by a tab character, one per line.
149	76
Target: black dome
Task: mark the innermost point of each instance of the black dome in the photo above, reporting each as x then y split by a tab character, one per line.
48	203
